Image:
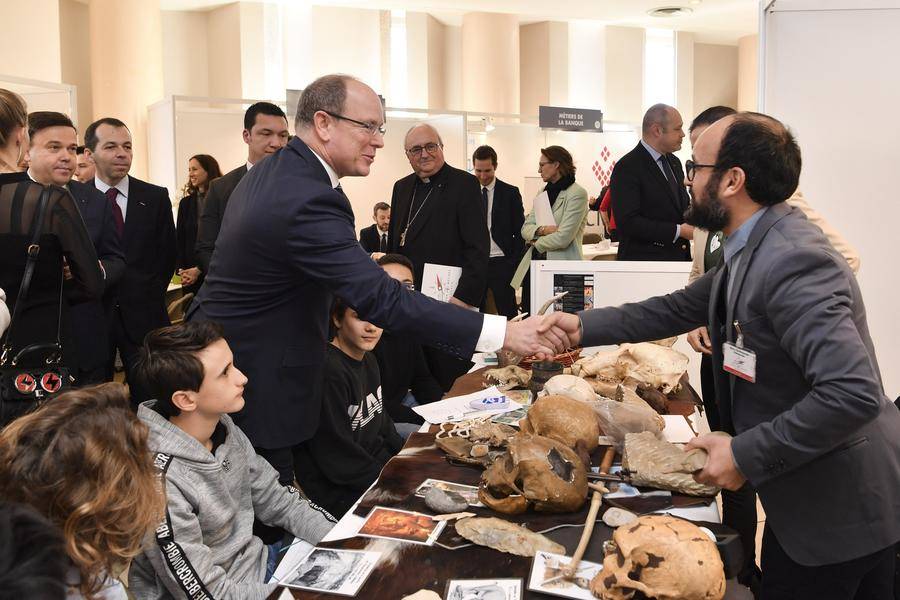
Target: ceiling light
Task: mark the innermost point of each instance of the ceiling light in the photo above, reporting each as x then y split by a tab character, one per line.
669	11
696	2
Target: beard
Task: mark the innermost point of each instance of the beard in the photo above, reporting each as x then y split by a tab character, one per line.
711	215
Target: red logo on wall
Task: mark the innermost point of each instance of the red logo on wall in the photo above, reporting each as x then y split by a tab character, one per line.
25	383
51	383
602	168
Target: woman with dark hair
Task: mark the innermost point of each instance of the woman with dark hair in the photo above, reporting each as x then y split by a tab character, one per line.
202	169
81	460
569	205
43	318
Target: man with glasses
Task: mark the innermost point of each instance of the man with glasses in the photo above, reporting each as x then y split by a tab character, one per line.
648	194
438	218
287	243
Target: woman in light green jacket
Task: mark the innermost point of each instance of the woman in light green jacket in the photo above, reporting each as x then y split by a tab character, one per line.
569	205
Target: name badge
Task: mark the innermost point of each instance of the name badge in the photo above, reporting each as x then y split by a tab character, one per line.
739	361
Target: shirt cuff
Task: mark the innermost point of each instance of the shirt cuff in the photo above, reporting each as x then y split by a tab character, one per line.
493	333
677	233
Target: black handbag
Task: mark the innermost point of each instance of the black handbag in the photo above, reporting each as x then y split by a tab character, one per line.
23	389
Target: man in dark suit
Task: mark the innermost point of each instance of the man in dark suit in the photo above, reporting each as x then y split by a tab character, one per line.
288	243
648	196
438	219
52	157
265	131
142	213
502	204
796	378
374	238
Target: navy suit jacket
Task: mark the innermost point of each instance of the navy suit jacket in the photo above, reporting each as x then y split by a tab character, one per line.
370	238
815	434
507	217
646	212
287	243
149	246
89	324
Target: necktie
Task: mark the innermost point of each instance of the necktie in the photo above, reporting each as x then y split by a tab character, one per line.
111	195
383	247
670	177
484	201
340	190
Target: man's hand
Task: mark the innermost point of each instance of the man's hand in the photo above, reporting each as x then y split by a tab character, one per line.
687	231
699	340
460	303
376	255
523	338
189	276
564	327
720	469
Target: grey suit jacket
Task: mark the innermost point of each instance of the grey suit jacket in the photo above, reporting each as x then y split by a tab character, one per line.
815	435
213	212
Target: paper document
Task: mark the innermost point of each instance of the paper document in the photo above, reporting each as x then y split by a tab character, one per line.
460	407
543	214
440	281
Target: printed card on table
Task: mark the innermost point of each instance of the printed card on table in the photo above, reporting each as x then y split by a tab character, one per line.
401	525
332	571
547	576
477	589
469	492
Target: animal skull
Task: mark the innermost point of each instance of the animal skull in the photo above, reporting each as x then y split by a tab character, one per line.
648	364
535	471
661	557
572	422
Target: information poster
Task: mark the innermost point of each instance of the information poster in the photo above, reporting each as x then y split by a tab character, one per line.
581	292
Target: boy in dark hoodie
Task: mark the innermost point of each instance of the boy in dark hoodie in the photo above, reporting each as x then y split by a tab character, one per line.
214	481
356	437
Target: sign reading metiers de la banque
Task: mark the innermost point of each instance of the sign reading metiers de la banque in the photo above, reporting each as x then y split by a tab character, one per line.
570	119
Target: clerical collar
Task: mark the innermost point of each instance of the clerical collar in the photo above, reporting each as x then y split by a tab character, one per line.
436	177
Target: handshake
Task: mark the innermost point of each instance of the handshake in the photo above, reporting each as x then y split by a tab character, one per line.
543	336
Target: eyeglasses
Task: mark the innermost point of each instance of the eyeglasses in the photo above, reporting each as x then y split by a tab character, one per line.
372	128
429	148
690	166
541	165
408	285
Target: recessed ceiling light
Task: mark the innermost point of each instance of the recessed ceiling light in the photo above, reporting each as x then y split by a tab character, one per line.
669	11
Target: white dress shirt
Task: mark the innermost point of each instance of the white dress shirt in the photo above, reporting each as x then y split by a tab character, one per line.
122	187
495	249
493	328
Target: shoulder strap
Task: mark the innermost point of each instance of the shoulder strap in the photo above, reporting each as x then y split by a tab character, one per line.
31	256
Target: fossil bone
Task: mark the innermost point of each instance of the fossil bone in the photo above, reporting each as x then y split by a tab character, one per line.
506	537
660	464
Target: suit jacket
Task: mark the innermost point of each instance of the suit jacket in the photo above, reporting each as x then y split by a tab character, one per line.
217	196
815	435
570	213
370	238
287	244
449	230
186	226
507	217
149	245
646	211
799	202
89	322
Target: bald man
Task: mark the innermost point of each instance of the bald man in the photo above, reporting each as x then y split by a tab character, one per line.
648	194
438	217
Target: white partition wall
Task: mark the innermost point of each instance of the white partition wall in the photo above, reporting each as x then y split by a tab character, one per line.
827	74
44	95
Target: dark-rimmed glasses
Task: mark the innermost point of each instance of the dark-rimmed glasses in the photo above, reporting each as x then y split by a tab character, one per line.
372	128
690	166
430	148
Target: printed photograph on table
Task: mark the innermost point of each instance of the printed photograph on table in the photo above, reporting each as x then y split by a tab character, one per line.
403	525
340	572
469	492
484	589
512	417
547	576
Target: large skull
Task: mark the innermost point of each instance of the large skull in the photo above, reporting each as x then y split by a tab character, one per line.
647	364
535	471
572	422
660	557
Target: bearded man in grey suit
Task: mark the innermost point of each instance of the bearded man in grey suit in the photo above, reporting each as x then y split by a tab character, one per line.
796	379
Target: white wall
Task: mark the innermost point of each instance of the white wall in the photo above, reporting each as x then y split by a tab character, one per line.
684	75
453	66
748	72
224	51
587	63
826	79
358	51
25	55
185	53
75	55
624	74
715	76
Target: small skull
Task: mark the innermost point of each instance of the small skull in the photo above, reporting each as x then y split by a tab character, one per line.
535	471
660	557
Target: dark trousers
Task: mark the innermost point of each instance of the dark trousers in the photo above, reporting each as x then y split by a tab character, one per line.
500	272
738	507
93	376
445	368
869	577
129	351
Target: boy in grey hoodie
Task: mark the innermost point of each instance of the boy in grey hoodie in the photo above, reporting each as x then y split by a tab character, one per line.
215	483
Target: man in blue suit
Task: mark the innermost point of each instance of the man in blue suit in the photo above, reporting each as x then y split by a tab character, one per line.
288	243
